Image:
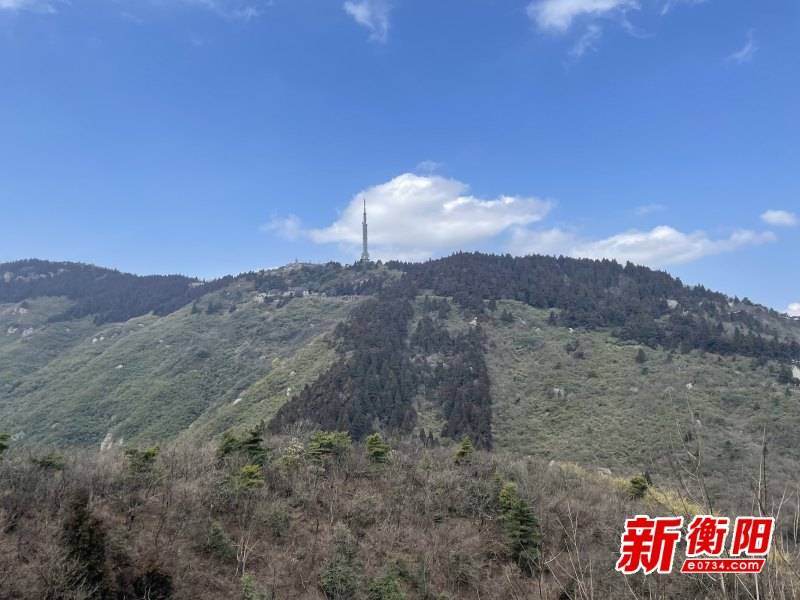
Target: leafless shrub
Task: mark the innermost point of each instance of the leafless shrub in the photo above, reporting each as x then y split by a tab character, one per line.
433	522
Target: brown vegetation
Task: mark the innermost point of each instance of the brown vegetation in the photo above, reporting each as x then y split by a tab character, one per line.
324	519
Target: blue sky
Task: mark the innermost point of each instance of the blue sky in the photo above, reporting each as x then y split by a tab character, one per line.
214	136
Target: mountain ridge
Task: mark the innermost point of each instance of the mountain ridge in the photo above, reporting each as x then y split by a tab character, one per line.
532	354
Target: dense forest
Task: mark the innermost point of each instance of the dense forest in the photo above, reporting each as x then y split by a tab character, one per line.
380	373
453	369
373	383
638	303
106	294
632	300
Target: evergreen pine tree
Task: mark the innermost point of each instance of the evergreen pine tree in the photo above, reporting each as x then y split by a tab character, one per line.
340	577
252	445
521	528
377	449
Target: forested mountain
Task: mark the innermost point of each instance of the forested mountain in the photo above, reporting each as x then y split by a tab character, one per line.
484	346
641	304
107	295
491	376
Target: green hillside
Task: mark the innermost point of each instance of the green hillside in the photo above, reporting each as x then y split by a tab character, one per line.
149	378
582	396
613	367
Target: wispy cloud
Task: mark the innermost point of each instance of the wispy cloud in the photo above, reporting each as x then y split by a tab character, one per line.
779	218
659	247
587	42
239	10
670	4
793	310
558	15
372	14
246	13
41	6
415	217
746	53
561	17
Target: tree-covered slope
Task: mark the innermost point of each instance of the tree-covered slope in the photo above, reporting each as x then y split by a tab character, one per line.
640	304
589	397
151	377
612	366
106	294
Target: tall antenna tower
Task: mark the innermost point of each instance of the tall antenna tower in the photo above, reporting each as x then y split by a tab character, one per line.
364	250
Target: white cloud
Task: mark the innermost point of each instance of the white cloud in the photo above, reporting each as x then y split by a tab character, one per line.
780	218
245	13
238	10
587	42
670	4
746	53
793	310
661	246
41	6
414	217
558	15
372	14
